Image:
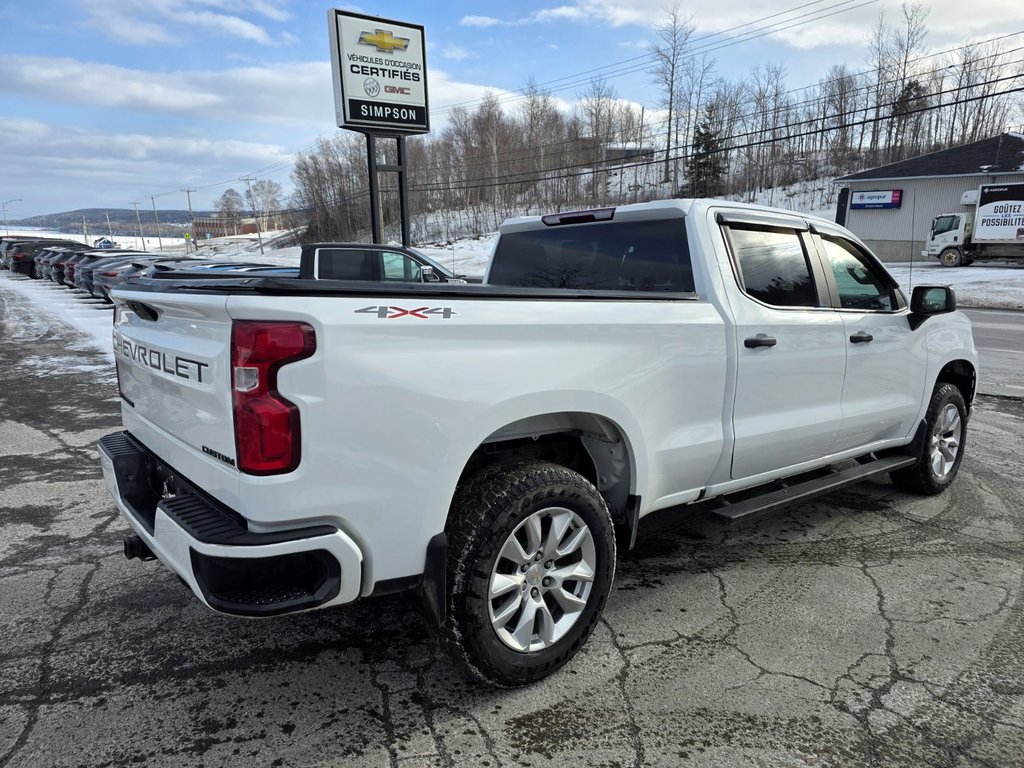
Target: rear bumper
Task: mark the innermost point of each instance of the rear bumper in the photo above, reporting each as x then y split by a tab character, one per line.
229	568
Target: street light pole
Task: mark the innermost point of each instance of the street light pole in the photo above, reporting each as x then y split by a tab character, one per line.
159	239
6	202
139	221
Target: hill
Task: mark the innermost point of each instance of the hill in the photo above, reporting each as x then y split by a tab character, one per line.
122	220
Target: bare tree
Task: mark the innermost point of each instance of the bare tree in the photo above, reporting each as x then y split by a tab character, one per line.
230	206
669	52
264	197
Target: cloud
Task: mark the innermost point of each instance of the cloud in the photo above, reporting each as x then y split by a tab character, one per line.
803	27
107	168
479	21
454	52
296	93
169	22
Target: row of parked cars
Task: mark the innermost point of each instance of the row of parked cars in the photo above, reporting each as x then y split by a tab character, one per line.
97	271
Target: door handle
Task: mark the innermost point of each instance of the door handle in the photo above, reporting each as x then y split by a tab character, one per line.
759	341
861	337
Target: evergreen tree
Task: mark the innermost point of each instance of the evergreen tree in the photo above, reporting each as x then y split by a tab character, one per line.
706	166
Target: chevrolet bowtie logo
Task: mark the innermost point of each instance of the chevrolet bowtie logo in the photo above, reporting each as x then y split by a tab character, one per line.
383	40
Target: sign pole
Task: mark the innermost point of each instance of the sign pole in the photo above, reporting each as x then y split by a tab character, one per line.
371	165
403	191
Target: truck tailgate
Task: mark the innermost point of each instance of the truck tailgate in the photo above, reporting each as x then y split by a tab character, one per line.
173	362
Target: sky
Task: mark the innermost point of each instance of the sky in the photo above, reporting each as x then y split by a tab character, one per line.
105	102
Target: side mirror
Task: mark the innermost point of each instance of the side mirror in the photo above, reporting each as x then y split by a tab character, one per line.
928	300
427	274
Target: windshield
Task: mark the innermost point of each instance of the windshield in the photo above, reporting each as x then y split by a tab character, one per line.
945	224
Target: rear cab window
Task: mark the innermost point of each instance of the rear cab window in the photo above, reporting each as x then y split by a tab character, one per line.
344	264
607	256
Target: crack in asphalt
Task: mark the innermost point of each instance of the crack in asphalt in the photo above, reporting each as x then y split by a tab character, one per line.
633	729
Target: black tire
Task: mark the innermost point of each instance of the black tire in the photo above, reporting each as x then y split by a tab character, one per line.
951	257
936	468
487	512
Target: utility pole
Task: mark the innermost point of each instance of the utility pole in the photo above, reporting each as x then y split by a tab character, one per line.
110	230
139	220
6	203
159	239
252	204
85	230
191	221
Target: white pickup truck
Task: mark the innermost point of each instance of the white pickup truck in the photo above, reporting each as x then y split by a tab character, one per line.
293	443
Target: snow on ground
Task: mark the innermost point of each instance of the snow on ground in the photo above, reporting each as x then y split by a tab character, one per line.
983	284
90	316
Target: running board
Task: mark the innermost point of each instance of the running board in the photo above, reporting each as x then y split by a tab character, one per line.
739	510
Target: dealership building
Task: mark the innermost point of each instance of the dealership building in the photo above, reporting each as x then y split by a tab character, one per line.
891	207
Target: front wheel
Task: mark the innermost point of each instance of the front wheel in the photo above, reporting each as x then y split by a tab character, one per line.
532	558
951	257
942	449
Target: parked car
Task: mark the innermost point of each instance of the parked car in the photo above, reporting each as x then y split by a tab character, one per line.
46	257
64	269
23	255
366	261
84	272
100	276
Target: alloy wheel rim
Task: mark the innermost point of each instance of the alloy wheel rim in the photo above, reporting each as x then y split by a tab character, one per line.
541	579
947	434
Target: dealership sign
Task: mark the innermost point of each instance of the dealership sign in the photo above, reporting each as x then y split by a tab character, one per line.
380	73
877	198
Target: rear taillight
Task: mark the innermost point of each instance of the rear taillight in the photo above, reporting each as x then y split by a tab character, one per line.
108	274
20	256
267	434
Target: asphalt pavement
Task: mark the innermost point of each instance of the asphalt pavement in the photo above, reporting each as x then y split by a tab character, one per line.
999	337
868	628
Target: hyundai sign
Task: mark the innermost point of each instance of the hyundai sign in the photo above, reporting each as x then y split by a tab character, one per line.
380	74
877	198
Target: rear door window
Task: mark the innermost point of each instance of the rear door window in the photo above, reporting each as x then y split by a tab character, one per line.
772	265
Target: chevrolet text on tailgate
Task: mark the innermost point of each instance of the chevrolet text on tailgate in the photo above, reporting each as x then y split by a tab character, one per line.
293	443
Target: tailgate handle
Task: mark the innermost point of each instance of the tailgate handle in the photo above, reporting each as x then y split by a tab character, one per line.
144	311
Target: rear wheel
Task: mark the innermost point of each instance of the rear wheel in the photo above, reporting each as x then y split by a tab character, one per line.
531	557
942	449
951	257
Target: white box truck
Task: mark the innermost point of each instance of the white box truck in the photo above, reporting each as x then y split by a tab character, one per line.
995	231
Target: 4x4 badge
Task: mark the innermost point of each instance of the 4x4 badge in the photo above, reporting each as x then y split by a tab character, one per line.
422	313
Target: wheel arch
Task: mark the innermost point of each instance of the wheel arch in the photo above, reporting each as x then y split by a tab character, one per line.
961	374
589	443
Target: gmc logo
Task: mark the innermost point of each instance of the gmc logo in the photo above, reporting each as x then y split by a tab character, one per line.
396	89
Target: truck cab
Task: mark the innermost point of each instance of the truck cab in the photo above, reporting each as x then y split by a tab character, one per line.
947	237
